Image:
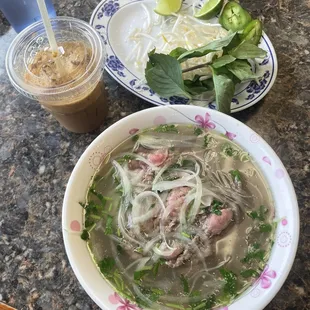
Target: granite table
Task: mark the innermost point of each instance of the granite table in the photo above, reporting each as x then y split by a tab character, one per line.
37	157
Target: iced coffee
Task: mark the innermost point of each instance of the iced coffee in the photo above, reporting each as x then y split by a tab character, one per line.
69	84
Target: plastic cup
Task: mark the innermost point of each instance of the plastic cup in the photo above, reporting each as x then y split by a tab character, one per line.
79	103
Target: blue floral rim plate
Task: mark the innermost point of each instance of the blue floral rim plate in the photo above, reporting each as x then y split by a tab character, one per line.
115	19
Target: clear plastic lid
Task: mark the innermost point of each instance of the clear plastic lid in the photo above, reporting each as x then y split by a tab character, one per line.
36	73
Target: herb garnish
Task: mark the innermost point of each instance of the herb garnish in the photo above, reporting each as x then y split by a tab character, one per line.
236	175
260	214
164	73
198	131
185	284
166	128
249	273
254	253
85	235
265	228
106	266
216	207
230	278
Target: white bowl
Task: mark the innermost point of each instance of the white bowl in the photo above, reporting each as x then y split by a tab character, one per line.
287	234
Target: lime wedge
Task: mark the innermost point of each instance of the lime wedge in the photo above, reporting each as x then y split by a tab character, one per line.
167	7
210	9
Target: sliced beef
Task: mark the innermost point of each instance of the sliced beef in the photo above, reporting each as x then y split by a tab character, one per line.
215	224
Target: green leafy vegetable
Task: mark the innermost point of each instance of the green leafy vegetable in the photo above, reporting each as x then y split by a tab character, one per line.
166	128
198	131
216	207
260	214
164	75
185	234
223	61
109	225
265	228
99	196
196	86
249	273
184	284
213	46
236	175
247	50
254	253
177	52
230	278
106	266
85	235
242	70
224	90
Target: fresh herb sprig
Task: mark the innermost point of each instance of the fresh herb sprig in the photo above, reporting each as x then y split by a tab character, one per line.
164	72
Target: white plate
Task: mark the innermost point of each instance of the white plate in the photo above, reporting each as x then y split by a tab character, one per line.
115	19
286	239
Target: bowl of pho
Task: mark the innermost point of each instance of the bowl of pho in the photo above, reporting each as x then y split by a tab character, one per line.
180	207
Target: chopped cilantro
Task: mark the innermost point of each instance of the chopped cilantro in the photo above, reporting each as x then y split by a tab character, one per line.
254	253
198	131
216	207
85	235
236	175
166	128
249	273
99	196
265	228
106	266
260	214
185	284
109	225
230	278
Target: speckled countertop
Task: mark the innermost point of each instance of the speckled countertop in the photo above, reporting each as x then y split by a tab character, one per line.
37	157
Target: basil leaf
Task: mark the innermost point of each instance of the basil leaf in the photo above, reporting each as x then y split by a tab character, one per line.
165	76
247	50
213	46
242	70
224	91
177	52
222	61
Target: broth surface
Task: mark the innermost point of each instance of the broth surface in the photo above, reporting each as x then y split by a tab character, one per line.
179	218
